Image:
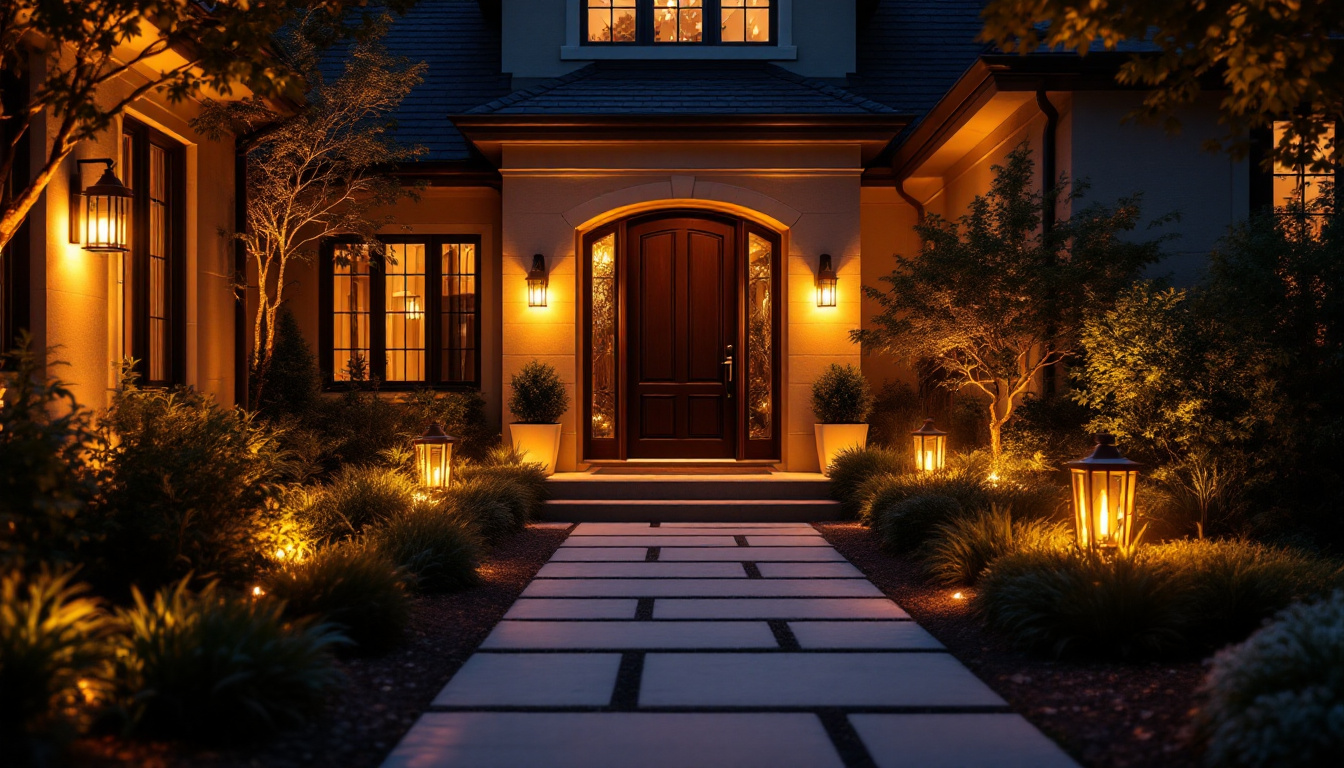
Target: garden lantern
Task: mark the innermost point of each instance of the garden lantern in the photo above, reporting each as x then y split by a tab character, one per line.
536	282
99	214
826	282
434	456
1103	496
930	447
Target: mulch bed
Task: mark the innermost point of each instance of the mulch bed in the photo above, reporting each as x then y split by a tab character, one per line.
1106	715
382	696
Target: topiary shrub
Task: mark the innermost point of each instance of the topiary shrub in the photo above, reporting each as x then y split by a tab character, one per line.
853	467
964	547
841	396
54	657
539	397
436	546
291	382
905	525
360	496
1068	603
219	668
1275	701
352	585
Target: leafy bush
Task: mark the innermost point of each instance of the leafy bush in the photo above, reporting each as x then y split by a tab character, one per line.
188	486
964	547
1069	603
436	546
854	467
217	668
905	525
1055	429
1232	587
539	397
291	382
360	496
968	490
1031	498
53	653
841	396
45	482
1275	700
352	585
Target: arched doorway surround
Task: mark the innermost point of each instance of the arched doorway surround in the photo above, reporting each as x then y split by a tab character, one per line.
680	340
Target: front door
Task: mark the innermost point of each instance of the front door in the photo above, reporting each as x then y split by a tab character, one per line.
682	334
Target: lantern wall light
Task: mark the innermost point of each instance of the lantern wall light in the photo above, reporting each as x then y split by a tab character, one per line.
536	282
826	282
1103	496
930	447
100	213
434	457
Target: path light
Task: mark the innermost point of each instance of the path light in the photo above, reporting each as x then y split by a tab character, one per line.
536	282
826	282
930	447
99	214
1103	496
433	456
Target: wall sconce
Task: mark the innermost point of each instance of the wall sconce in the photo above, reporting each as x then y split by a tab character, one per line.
99	214
536	282
826	282
930	447
434	457
1103	496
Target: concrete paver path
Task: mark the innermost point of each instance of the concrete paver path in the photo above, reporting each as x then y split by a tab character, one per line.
700	646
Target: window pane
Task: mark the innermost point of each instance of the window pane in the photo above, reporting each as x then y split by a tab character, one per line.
404	302
128	264
611	21
678	21
458	313
604	337
745	21
350	314
159	278
760	341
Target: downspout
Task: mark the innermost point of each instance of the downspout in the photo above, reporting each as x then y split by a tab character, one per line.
1050	215
907	197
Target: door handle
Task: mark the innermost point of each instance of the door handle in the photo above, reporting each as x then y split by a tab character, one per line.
728	364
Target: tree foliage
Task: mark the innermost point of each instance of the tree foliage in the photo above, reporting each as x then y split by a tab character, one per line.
997	296
1275	59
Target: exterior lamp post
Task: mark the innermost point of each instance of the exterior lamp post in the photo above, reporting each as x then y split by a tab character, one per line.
536	282
434	456
826	282
99	213
930	447
1103	496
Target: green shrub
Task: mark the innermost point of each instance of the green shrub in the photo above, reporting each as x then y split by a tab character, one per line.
53	653
1069	603
1055	428
506	464
964	547
214	667
352	585
1232	587
853	468
188	487
905	525
361	427
291	382
841	396
1032	498
434	545
495	504
1275	701
360	496
897	411
539	397
968	490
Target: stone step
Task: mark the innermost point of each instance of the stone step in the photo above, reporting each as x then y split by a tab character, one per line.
776	487
662	510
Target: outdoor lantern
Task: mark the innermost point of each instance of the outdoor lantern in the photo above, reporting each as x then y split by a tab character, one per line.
826	282
99	214
1103	496
536	282
434	456
930	447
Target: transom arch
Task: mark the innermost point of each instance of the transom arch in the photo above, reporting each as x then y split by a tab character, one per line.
712	197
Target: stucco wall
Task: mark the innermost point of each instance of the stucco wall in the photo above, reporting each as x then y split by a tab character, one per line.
887	234
808	192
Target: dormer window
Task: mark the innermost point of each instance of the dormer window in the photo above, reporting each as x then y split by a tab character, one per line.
683	22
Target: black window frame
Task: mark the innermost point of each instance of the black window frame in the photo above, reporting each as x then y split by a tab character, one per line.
138	307
1262	198
433	312
712	9
14	259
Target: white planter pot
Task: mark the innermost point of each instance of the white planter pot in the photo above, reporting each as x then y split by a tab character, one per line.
539	443
834	438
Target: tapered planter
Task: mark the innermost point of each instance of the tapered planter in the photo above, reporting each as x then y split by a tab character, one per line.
539	443
834	438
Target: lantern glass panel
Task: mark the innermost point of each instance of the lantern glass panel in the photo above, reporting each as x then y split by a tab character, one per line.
930	452
434	463
1104	506
105	222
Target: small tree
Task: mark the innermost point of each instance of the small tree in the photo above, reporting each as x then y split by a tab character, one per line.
318	173
996	297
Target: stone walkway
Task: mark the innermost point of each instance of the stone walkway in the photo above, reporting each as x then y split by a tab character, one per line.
703	645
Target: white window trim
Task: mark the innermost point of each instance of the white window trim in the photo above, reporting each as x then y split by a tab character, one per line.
782	50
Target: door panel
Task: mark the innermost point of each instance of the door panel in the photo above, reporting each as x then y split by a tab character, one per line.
682	320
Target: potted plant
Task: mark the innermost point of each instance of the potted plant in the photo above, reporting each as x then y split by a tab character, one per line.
539	398
841	401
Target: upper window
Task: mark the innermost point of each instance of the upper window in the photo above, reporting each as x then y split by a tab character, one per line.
653	22
1298	187
411	319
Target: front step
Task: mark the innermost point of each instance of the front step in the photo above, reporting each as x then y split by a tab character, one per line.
655	498
692	511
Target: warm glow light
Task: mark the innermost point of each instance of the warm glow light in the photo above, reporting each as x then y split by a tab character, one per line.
100	213
258	592
930	447
958	596
993	478
280	553
537	282
1103	496
434	457
826	282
